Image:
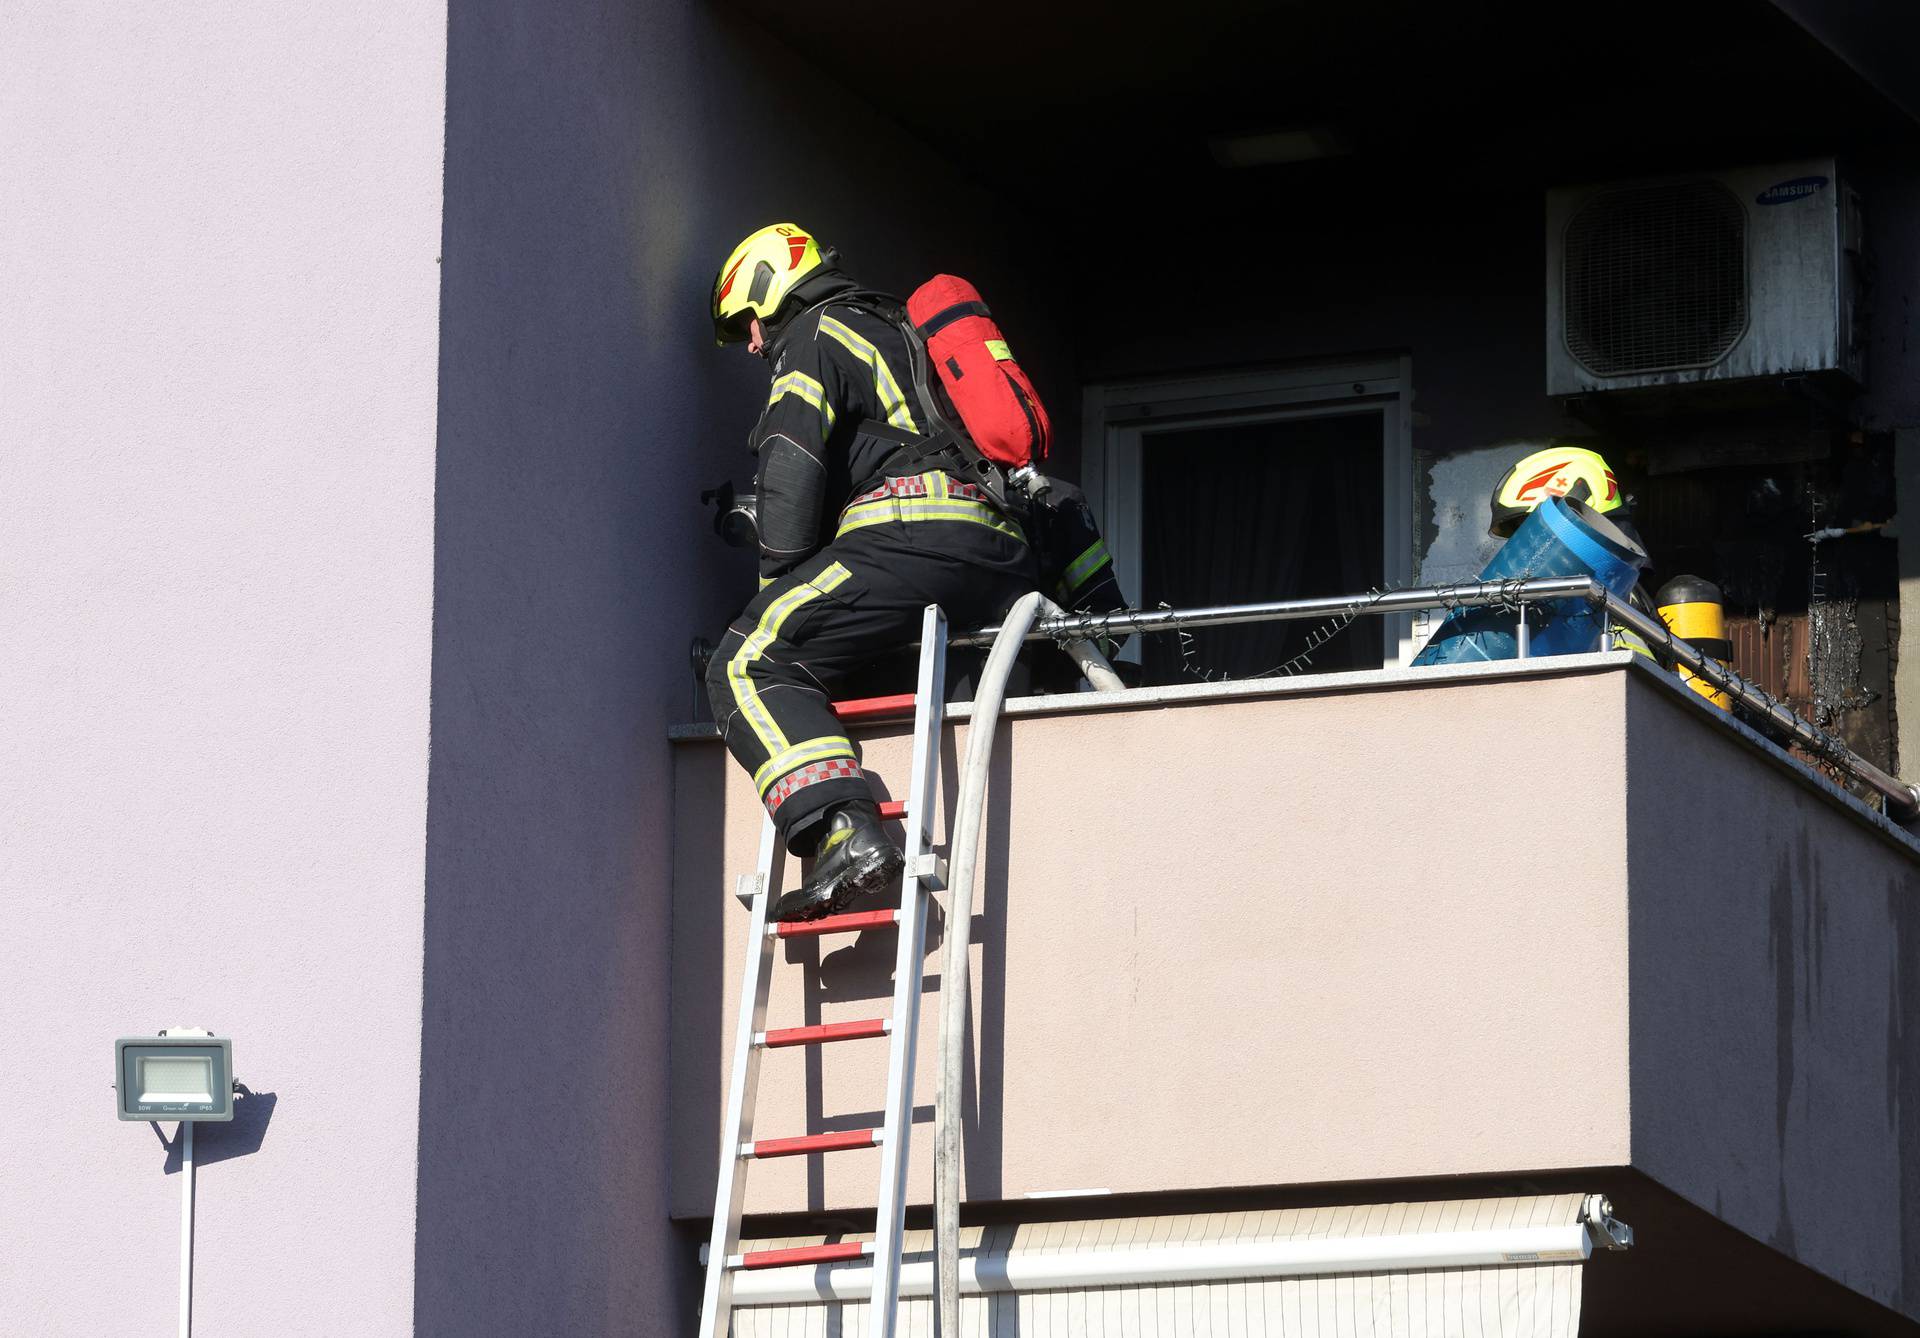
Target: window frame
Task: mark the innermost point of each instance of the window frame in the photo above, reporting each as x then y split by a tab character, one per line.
1116	417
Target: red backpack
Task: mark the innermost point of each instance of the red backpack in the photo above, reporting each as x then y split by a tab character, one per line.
997	404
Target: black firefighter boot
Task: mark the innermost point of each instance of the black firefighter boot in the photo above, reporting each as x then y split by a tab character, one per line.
854	858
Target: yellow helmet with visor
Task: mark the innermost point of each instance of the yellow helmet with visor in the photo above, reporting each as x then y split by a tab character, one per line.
760	275
1553	472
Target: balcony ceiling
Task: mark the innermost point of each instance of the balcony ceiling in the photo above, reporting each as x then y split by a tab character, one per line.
1020	93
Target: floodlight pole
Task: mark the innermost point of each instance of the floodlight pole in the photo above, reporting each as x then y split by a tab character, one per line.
184	1136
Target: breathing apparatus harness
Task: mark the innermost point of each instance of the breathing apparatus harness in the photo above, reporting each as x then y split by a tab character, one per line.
1012	492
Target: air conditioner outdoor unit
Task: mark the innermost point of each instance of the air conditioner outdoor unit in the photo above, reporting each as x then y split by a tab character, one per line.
1704	278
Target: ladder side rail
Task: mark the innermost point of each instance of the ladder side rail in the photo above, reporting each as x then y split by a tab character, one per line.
929	715
729	1194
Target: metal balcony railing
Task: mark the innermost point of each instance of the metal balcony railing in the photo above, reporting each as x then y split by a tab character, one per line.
1901	798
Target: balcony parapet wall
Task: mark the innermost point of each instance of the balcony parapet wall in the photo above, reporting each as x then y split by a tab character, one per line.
1482	921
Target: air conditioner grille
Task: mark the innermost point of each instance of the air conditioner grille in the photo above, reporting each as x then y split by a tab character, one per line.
1656	278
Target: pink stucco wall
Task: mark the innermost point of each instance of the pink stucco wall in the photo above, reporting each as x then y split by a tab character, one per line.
219	338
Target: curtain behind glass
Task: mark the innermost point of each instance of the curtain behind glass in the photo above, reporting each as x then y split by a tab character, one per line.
1255	512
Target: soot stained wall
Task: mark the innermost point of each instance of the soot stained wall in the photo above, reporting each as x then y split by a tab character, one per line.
1337	259
1445	262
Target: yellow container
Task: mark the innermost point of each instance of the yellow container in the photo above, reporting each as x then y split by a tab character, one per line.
1691	607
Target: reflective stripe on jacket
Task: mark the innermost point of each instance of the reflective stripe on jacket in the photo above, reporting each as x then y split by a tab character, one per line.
835	367
929	496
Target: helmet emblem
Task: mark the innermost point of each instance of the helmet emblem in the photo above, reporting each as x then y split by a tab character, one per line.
726	285
798	246
1554	482
1548	480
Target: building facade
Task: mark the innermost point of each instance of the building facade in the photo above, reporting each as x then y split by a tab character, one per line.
359	395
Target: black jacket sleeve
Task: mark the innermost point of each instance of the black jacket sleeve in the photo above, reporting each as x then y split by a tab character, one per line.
805	407
1076	569
1076	565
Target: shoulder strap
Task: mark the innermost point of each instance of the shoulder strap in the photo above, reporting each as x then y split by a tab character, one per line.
941	319
889	308
946	446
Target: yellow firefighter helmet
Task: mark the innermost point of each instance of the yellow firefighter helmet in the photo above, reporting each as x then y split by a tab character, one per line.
1552	472
762	273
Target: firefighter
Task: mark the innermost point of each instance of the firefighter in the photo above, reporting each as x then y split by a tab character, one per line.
856	539
1560	470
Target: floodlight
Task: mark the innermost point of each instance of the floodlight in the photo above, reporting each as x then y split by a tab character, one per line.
181	1074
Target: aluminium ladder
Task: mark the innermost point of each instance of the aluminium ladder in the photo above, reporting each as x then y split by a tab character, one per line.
924	874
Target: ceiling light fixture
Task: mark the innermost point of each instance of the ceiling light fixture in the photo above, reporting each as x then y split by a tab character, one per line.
1277	147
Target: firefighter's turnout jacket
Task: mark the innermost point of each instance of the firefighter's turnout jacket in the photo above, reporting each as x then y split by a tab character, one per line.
851	553
1076	570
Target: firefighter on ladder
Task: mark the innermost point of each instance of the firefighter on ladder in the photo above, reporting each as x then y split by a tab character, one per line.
856	539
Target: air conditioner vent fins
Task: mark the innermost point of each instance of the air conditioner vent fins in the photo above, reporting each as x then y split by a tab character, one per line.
1656	278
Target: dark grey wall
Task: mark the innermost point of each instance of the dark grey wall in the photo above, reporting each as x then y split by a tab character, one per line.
602	158
1873	37
1776	1069
1889	182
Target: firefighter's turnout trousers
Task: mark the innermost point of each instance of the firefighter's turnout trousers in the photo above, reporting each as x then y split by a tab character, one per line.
908	543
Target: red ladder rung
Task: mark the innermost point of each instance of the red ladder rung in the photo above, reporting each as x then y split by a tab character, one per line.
826	1031
840	1141
806	1254
850	923
892	808
875	708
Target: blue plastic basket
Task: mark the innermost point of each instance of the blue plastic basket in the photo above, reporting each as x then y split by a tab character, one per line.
1558	538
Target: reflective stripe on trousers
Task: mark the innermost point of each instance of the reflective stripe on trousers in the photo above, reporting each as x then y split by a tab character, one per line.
745	695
